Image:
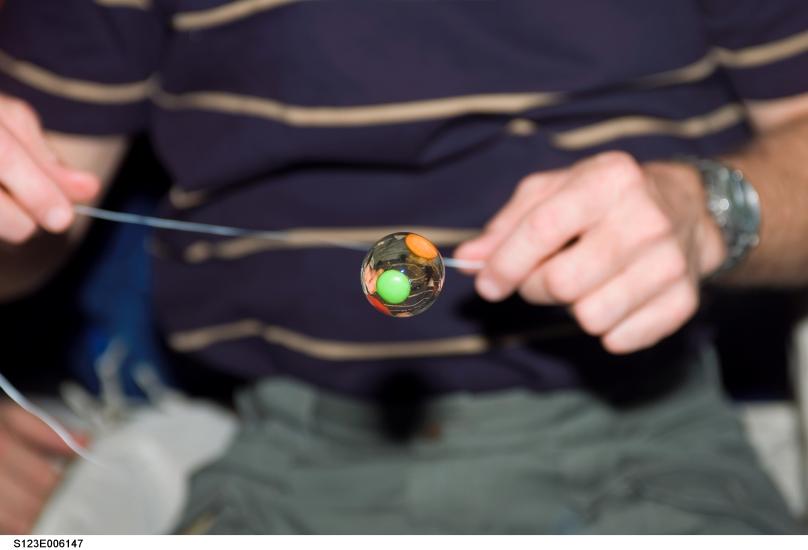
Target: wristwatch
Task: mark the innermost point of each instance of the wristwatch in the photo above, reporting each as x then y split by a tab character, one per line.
735	206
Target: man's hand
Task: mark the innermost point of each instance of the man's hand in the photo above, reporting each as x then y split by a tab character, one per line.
29	468
41	176
36	190
625	245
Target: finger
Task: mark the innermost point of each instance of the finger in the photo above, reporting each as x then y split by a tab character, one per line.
31	468
21	505
650	275
575	270
530	192
474	250
593	186
29	185
16	226
34	432
78	186
22	121
599	255
656	320
542	231
10	522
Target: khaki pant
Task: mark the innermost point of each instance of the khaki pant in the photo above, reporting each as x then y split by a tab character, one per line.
507	462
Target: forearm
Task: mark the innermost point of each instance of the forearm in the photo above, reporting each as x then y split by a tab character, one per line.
777	165
25	268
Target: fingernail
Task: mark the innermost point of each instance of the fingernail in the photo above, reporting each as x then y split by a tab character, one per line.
489	289
57	219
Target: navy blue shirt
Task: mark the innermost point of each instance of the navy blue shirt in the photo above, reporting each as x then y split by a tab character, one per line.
356	118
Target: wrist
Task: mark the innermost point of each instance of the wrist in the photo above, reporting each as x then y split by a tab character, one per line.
683	192
734	204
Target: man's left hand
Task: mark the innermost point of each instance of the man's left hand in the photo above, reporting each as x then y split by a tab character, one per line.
624	245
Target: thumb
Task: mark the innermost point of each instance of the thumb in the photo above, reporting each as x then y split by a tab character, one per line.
77	185
22	121
478	249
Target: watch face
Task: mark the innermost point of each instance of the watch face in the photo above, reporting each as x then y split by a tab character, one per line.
744	205
751	208
719	207
734	204
719	193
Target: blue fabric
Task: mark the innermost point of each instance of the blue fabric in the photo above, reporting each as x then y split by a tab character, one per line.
114	303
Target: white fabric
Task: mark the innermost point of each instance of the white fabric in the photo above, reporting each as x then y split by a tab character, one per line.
146	462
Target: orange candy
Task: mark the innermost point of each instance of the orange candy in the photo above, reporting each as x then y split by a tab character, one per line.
378	304
421	247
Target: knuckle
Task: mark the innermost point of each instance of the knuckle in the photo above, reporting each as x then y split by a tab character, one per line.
616	159
539	219
688	303
614	156
616	345
39	199
589	317
10	103
602	256
539	182
623	169
683	306
19	112
496	224
655	223
8	149
531	182
7	104
543	224
666	264
559	283
502	272
675	265
530	294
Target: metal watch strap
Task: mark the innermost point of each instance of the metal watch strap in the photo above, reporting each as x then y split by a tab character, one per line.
735	206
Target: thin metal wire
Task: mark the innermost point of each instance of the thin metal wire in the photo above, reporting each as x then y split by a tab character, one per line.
227	231
15	395
173	225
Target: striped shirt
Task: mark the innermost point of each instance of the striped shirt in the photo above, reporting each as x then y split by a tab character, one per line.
356	118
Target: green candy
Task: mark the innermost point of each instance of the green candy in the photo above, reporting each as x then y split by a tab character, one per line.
393	287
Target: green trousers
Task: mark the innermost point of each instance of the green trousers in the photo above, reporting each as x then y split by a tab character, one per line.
505	462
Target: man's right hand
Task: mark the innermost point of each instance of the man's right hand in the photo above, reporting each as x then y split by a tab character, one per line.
31	455
36	189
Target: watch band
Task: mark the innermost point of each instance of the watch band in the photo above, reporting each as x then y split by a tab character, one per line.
735	206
